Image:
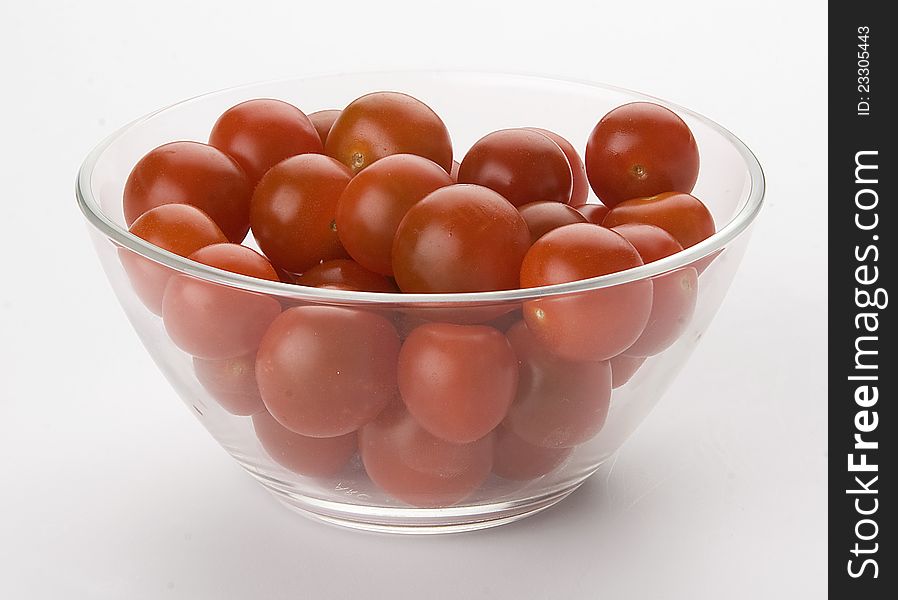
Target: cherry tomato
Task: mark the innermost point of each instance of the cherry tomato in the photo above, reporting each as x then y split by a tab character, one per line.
640	149
323	120
348	274
376	200
681	215
457	380
215	321
580	187
443	236
521	164
260	133
542	217
191	173
560	403
325	371
652	243
383	123
231	382
313	457
517	460
594	213
293	211
418	468
453	172
623	368
178	228
674	294
594	325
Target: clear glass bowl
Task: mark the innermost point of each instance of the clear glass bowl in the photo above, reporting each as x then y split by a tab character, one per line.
730	183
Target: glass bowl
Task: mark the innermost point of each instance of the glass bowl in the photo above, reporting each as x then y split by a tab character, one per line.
565	421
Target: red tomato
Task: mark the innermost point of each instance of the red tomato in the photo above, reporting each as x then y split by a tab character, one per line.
325	371
560	403
580	188
232	383
383	123
594	213
191	173
623	368
445	234
517	460
376	200
214	321
457	380
178	228
453	173
681	215
323	120
293	211
542	217
418	468
347	274
594	325
652	243
521	164
674	293
313	457
640	149
260	133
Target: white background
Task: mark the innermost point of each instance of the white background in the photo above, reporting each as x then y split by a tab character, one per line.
110	489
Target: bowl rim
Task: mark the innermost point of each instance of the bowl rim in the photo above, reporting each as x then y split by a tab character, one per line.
120	236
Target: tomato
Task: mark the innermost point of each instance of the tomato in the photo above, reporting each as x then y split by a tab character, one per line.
580	184
191	173
215	321
521	164
376	200
325	371
593	325
594	213
681	215
348	274
640	149
179	228
384	123
453	172
674	294
652	243
517	460
231	382
418	468
457	380
293	211
559	403
623	368
313	457
323	120
260	133
452	229
542	217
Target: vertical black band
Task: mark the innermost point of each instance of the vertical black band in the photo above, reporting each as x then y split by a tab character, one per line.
863	367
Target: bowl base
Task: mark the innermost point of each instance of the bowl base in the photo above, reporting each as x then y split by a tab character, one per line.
420	521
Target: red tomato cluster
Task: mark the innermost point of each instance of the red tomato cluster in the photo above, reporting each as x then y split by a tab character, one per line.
369	198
